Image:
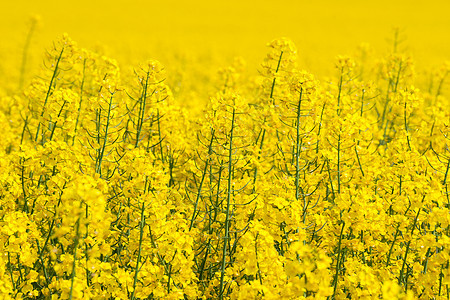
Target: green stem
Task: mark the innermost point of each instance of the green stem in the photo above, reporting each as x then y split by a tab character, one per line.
141	235
10	271
49	90
339	92
359	162
438	92
338	263
274	78
142	105
101	152
400	278
406	127
257	262
297	150
397	231
25	53
72	280
54	124
339	164
227	218
80	102
199	192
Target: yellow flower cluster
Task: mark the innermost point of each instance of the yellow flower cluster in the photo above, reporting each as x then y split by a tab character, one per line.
285	187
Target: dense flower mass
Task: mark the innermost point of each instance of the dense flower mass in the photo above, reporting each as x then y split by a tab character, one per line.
284	186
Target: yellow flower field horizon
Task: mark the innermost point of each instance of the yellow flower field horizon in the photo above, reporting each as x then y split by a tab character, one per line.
161	29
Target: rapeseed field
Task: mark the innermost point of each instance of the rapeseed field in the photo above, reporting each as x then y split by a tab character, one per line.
225	150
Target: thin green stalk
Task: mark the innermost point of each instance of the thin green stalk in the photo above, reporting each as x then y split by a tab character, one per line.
339	92
142	105
425	264
49	90
10	271
339	164
255	175
101	151
446	172
80	101
26	48
54	124
362	102
257	262
160	136
441	83
406	127
396	40
320	128
141	235
169	276
397	79
160	258
72	277
227	217
359	162
400	278
397	231
22	179
338	263
441	276
23	130
274	79
329	176
202	267
41	259
386	102
86	253
199	192
297	150
20	268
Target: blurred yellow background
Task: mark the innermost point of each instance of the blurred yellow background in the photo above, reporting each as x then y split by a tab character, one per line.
136	30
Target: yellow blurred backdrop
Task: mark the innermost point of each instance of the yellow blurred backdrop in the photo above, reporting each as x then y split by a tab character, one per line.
134	30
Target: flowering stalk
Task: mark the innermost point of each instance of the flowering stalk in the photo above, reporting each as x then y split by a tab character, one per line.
49	91
227	213
141	235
